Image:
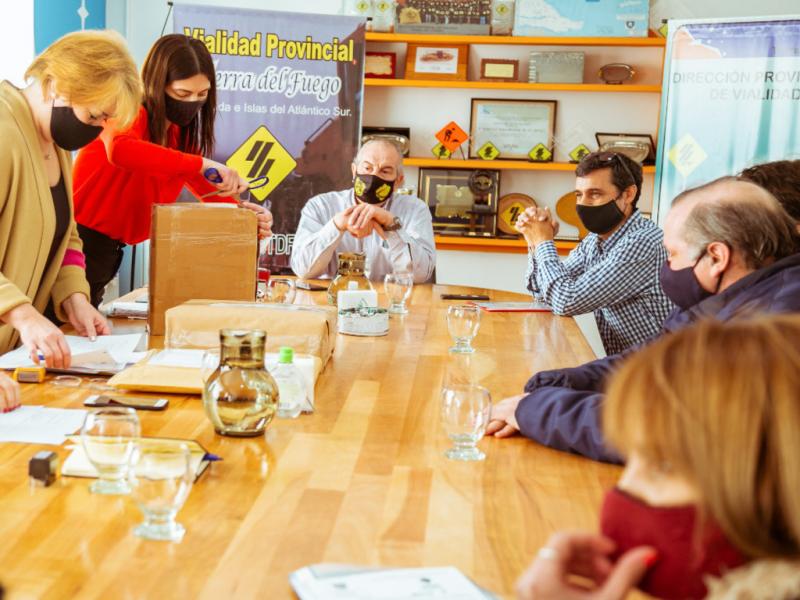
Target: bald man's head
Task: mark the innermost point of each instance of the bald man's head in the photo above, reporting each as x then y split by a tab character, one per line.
738	213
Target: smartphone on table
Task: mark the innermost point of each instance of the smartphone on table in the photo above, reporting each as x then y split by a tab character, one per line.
137	402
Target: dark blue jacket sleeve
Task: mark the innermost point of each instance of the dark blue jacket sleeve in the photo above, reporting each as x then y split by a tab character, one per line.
566	420
589	377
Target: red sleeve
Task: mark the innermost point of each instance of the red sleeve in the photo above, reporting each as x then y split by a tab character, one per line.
130	150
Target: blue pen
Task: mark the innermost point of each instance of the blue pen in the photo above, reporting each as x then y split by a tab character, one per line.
40	356
211	457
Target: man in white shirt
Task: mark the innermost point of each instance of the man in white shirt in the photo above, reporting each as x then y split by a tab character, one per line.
394	231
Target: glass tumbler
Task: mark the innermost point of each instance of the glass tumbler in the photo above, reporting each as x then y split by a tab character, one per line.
280	290
160	478
398	288
463	321
466	410
109	436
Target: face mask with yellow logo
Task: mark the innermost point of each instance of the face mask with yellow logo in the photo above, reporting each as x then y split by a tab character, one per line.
372	189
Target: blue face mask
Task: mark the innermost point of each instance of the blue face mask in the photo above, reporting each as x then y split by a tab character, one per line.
682	286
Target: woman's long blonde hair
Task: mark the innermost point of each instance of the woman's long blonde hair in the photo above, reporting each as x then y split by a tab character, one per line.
91	68
720	404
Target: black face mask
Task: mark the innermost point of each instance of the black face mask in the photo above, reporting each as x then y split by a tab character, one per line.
601	219
181	112
68	131
372	189
682	286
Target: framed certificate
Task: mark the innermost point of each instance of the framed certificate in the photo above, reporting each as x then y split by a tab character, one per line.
380	65
428	61
462	202
514	127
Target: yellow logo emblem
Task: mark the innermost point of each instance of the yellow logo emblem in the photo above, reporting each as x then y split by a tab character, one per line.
262	155
383	192
359	186
540	153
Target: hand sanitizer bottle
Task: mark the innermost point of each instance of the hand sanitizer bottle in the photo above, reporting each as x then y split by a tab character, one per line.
291	386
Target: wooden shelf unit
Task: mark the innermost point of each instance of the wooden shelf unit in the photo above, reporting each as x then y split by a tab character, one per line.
510	165
512	85
420	38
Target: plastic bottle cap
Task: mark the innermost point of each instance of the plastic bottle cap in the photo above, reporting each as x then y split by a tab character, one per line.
353	285
285	355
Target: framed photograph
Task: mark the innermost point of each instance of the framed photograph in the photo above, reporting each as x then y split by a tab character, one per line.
440	61
461	201
636	146
499	69
380	65
514	127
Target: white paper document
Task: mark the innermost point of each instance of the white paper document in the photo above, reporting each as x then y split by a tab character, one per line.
119	347
189	359
334	582
40	424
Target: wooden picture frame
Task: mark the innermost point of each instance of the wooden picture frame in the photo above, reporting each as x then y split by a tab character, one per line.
380	65
499	69
437	61
513	126
452	202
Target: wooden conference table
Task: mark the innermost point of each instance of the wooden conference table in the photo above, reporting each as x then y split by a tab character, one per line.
361	481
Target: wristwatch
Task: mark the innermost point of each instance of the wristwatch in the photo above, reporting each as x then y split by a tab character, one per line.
393	226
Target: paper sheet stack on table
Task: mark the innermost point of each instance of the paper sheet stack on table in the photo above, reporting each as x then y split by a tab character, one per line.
106	353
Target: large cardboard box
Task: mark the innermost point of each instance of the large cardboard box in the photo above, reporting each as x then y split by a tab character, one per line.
309	329
200	251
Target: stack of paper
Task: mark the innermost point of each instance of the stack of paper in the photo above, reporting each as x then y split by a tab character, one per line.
334	582
39	424
106	353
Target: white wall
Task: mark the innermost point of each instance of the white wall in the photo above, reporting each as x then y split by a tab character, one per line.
16	42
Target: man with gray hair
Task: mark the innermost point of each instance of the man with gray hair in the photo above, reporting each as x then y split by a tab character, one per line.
732	253
394	231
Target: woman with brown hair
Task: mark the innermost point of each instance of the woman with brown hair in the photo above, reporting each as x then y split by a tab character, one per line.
76	86
708	504
120	176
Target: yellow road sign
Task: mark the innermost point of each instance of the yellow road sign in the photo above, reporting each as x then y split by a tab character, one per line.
579	152
440	151
261	155
488	151
540	153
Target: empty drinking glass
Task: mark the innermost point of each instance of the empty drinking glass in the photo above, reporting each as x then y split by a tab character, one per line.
466	410
398	289
109	436
463	321
280	290
161	477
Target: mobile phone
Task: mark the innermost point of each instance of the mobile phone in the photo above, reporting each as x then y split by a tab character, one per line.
464	297
137	402
311	287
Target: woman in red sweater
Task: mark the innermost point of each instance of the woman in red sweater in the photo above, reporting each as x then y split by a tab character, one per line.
118	177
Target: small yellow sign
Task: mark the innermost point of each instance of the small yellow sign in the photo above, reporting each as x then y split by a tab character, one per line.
540	153
663	30
262	155
439	151
687	155
512	212
579	152
488	151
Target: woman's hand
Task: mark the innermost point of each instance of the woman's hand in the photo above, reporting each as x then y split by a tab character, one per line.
569	554
264	219
9	393
38	334
231	183
84	317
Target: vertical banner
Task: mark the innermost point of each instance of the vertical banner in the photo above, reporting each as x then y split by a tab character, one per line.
289	99
54	18
731	99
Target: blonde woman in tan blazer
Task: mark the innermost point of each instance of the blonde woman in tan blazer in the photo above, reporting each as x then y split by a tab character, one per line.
82	82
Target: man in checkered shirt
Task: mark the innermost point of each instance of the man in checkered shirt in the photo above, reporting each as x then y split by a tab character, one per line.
614	271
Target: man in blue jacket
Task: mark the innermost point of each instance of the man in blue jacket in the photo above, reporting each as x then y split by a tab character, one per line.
732	252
